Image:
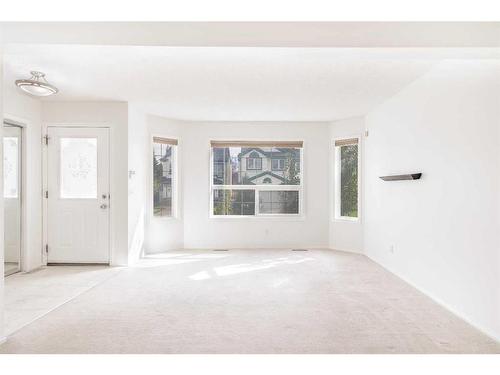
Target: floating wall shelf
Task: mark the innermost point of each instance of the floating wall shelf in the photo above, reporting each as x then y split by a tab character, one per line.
398	177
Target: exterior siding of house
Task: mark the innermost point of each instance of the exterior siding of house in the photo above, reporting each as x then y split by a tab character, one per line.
267	174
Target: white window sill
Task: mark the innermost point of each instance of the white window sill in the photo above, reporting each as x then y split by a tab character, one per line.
258	218
346	219
164	218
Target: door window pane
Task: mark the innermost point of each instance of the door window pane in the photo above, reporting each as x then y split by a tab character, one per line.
349	181
78	168
163	176
10	167
279	202
234	202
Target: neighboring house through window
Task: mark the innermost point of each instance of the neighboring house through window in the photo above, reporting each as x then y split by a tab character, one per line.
256	178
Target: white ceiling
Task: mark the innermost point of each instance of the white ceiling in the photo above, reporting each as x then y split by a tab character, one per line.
257	34
224	83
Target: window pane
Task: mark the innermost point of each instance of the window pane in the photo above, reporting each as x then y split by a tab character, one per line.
256	166
349	181
279	202
278	164
10	167
234	202
163	165
78	168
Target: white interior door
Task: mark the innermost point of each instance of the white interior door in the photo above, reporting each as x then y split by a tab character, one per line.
78	195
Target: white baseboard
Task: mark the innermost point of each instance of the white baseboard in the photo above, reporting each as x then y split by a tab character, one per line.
360	252
440	302
208	248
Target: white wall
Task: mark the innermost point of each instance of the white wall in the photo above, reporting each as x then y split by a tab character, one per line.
346	235
27	111
200	231
138	173
444	227
114	115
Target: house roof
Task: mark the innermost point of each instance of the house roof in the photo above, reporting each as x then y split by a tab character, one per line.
277	152
266	173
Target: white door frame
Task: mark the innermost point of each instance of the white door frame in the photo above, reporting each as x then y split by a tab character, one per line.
23	124
45	228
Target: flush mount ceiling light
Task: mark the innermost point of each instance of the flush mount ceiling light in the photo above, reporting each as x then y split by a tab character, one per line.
37	85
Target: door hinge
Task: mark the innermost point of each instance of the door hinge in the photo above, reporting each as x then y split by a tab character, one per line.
47	248
46	194
46	139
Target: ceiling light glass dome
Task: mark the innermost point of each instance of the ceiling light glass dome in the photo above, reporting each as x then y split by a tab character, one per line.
37	85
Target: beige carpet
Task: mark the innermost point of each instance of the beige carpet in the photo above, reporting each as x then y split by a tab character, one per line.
251	301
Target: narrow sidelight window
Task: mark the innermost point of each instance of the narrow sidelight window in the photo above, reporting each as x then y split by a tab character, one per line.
347	179
164	175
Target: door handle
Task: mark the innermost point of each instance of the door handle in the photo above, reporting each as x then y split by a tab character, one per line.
104	206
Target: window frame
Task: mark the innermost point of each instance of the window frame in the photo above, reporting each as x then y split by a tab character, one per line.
175	179
337	177
254	160
280	161
266	187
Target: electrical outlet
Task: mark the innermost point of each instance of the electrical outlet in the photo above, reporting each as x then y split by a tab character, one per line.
391	249
266	232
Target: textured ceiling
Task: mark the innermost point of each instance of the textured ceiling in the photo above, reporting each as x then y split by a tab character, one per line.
223	83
